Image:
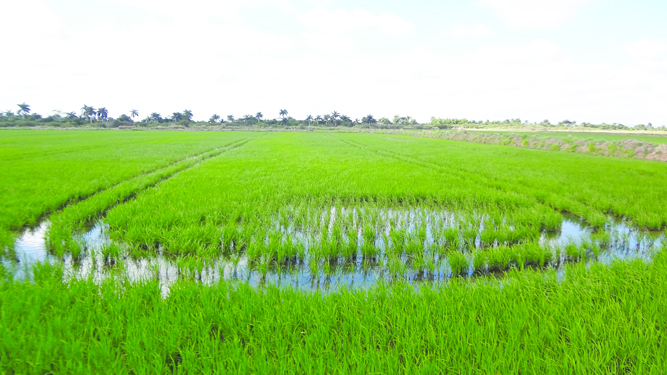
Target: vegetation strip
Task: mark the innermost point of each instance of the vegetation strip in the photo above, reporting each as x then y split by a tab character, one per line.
625	148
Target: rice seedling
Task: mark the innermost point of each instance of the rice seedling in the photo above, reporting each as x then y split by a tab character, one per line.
458	263
479	262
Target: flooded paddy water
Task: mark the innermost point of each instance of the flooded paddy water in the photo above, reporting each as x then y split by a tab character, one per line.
309	269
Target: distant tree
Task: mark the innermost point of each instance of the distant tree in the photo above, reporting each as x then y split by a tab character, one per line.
187	114
230	118
24	109
214	119
384	121
369	119
70	115
134	113
309	119
327	118
9	113
103	113
344	118
246	118
124	118
259	116
155	117
334	116
283	113
176	117
319	120
88	112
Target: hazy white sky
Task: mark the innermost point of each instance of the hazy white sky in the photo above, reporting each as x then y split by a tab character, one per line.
582	60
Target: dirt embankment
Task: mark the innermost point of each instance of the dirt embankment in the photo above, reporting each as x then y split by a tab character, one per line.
626	148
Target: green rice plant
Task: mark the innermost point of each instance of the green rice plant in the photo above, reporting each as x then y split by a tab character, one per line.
498	258
457	263
413	247
535	255
421	233
451	237
479	261
314	268
488	236
574	252
469	235
595	249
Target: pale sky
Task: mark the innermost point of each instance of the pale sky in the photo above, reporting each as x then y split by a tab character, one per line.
582	60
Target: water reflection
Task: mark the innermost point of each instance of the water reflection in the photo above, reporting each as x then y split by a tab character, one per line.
618	241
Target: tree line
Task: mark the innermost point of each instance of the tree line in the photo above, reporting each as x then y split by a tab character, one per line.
89	114
100	117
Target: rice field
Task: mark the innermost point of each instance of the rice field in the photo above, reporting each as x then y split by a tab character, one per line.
250	252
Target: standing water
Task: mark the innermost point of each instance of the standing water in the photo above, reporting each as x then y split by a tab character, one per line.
621	242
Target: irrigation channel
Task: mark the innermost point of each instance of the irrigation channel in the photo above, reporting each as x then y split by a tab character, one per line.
575	241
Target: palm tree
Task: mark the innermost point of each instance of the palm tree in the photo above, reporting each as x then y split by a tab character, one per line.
283	113
176	116
70	115
134	113
214	119
9	113
246	118
259	116
334	116
24	109
327	118
187	114
156	117
230	118
318	119
103	113
309	119
87	111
